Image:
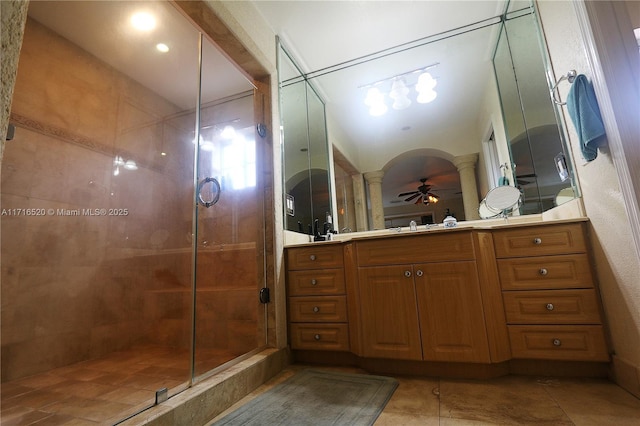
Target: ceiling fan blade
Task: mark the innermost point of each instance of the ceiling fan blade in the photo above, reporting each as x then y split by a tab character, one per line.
413	196
407	193
418	201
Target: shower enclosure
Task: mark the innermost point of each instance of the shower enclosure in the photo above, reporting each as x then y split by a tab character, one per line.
133	247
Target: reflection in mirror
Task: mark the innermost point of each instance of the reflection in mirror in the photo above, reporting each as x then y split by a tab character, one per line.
535	134
305	151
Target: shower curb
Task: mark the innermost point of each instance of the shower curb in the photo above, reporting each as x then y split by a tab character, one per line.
205	400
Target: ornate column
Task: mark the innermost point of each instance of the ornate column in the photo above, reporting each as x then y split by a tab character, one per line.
360	202
466	165
374	179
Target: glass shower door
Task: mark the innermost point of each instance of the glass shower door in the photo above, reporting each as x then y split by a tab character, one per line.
229	318
97	272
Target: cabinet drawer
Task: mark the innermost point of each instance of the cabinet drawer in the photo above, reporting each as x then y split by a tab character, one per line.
406	249
316	282
567	343
540	240
552	307
329	337
545	272
315	257
318	309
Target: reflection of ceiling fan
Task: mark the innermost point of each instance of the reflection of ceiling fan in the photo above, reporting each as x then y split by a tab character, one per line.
421	195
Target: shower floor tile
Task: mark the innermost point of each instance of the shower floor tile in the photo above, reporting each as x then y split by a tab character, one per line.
100	391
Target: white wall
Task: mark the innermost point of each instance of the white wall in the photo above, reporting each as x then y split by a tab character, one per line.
616	261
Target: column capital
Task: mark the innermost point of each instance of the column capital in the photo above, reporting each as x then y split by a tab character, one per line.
465	161
374	177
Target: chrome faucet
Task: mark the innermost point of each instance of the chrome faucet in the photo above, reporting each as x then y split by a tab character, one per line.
413	226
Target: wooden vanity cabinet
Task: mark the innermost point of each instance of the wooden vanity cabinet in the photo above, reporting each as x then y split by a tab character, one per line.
389	312
464	296
551	303
317	302
430	310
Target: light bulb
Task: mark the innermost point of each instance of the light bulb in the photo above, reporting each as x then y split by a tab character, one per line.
399	92
426	96
373	97
425	81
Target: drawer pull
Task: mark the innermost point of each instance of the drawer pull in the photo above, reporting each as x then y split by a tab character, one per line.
314	281
407	274
550	306
543	271
537	241
557	342
316	309
317	337
419	273
312	257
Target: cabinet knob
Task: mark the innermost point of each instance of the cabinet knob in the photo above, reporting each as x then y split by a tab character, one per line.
407	274
314	281
537	241
550	306
557	342
316	309
419	273
543	271
317	337
312	257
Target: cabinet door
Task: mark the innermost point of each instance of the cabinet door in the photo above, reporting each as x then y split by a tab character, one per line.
451	315
389	314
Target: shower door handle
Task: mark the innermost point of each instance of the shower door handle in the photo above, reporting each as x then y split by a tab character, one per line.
216	195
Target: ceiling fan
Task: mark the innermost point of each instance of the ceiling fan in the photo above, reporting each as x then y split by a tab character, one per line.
422	194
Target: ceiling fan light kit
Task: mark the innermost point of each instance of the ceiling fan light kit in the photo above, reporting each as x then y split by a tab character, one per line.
422	194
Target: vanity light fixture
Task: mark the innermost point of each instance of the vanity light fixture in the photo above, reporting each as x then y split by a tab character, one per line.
399	90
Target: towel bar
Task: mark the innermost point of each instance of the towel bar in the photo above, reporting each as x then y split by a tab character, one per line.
570	76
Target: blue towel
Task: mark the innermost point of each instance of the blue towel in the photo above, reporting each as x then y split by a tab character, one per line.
504	181
585	114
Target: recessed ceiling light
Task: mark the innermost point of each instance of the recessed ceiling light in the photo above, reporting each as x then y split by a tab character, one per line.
143	21
162	47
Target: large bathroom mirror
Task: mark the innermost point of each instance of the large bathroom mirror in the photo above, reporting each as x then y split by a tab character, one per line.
420	150
533	129
306	178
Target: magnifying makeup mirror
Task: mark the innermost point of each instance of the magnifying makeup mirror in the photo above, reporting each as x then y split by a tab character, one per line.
485	212
500	201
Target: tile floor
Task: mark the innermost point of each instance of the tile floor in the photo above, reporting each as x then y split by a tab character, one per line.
509	400
101	391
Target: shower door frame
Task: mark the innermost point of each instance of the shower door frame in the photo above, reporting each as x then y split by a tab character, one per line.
205	20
